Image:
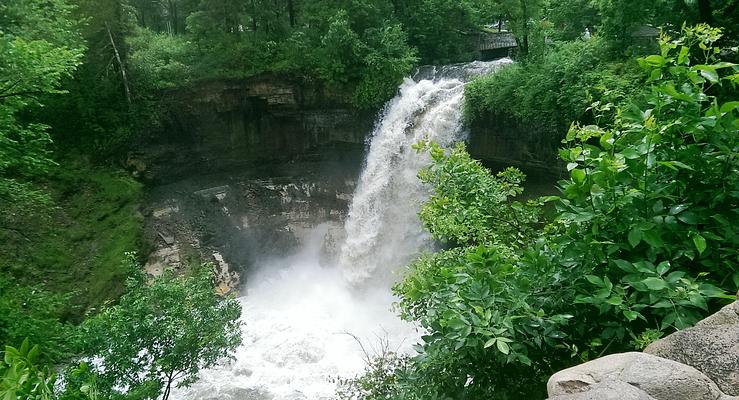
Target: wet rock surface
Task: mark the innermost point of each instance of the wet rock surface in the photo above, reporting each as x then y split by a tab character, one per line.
235	219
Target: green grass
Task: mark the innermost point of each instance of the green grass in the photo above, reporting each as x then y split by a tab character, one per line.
77	246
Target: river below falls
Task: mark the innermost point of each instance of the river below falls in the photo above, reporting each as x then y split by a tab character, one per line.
301	327
307	320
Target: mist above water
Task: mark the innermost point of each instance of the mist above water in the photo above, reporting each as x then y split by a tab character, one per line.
299	318
301	315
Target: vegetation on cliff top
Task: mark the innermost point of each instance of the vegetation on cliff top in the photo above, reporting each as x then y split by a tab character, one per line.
580	52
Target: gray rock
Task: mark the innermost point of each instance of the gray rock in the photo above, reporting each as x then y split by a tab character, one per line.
607	390
728	315
659	378
712	349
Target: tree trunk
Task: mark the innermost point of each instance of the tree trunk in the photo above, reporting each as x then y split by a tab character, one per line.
525	25
291	12
705	11
120	65
173	16
253	16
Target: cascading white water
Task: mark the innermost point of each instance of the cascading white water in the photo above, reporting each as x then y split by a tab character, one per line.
300	317
383	230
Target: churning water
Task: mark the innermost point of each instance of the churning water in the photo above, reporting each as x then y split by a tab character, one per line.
301	317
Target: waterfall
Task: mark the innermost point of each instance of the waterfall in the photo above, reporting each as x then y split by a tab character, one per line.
300	318
383	229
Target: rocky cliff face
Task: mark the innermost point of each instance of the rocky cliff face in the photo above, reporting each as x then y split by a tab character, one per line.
240	167
237	219
498	141
224	125
221	125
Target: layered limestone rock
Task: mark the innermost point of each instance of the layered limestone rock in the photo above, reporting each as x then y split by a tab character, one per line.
235	220
219	125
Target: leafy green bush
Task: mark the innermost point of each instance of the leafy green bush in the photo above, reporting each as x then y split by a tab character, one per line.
547	92
159	60
643	240
29	312
21	376
160	334
654	201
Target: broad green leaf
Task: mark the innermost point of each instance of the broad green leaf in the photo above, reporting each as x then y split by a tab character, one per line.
663	267
597	281
503	347
663	304
700	243
653	238
707	72
729	107
635	237
457	324
578	176
677	209
655	60
630	315
625	266
654	283
699	301
615	301
684	52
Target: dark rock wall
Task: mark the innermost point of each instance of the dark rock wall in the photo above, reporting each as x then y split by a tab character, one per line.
223	125
230	125
500	142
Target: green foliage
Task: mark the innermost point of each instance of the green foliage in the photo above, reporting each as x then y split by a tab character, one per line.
381	380
654	200
93	210
444	31
21	376
44	286
355	46
103	113
161	334
38	48
482	301
159	60
33	313
569	19
642	242
469	206
547	93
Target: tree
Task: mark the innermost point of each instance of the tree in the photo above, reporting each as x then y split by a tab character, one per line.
161	334
521	15
40	46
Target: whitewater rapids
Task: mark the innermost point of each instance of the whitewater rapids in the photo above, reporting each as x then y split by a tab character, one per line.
301	319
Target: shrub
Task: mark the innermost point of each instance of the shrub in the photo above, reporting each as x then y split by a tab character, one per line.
643	240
